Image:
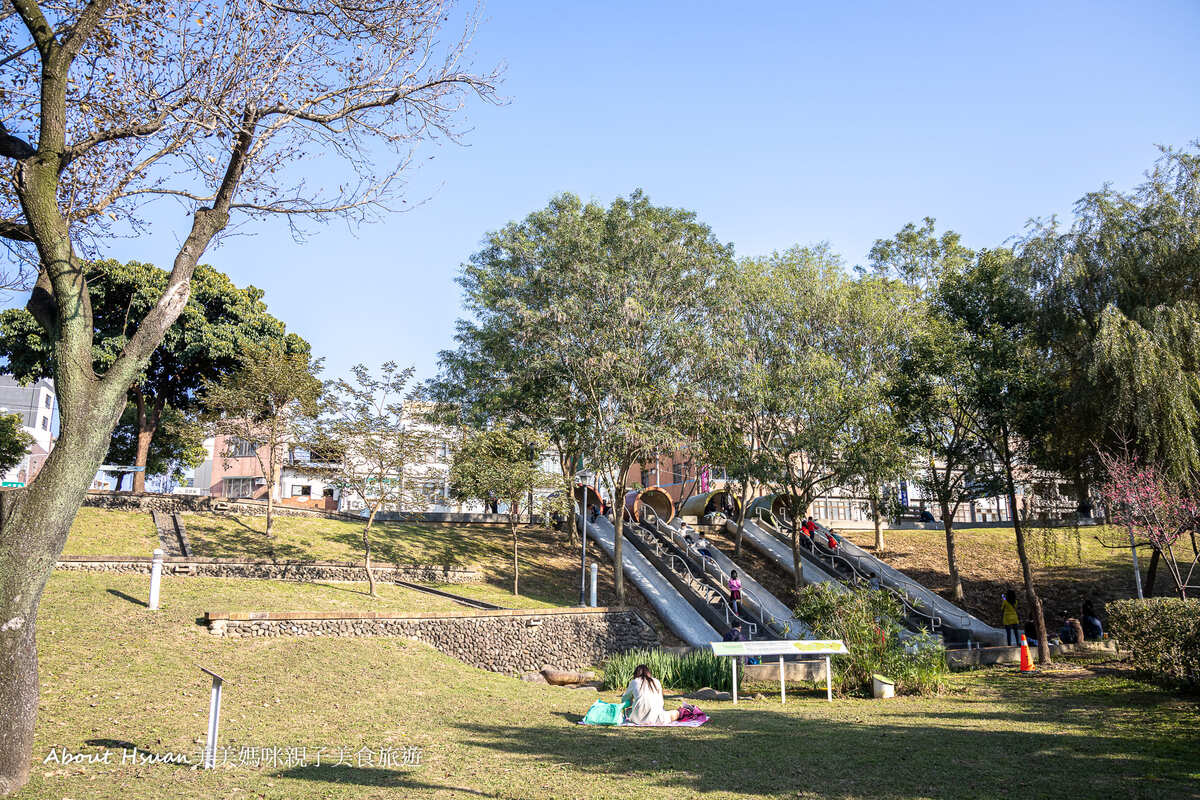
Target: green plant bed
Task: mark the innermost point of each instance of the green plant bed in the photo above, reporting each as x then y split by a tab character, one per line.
686	673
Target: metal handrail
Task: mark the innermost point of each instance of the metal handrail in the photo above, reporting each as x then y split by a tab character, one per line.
910	604
908	585
706	562
712	596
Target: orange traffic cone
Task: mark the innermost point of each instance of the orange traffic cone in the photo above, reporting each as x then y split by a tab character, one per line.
1026	661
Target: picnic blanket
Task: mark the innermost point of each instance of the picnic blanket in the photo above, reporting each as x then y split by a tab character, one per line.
695	722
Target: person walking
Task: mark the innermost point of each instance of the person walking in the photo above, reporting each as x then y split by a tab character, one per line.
1010	619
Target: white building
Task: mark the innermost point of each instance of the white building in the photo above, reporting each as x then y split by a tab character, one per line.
37	406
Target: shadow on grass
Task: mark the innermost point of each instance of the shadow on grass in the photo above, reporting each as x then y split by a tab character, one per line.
131	599
373	776
751	752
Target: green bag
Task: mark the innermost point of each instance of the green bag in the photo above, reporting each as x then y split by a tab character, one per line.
602	713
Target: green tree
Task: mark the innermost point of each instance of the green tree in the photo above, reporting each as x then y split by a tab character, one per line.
118	108
14	442
603	307
178	443
503	463
928	391
887	313
1119	303
265	402
815	342
204	344
991	301
936	412
368	442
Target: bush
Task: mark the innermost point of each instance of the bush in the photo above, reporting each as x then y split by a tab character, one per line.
867	621
695	670
1163	634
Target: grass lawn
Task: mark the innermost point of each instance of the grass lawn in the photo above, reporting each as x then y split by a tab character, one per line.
549	569
114	674
98	532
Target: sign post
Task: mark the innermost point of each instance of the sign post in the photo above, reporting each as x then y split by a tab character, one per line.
214	719
155	578
802	647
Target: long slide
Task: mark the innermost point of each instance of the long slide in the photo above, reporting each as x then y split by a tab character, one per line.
758	603
966	624
675	612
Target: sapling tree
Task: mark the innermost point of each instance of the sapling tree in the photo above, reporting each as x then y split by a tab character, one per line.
265	403
115	109
504	463
372	441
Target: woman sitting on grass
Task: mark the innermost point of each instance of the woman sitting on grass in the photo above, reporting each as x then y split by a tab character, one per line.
645	697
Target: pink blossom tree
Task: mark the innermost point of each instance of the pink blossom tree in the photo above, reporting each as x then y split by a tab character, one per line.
1154	509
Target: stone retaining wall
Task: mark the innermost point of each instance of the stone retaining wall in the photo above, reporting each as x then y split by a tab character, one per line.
340	571
506	641
206	504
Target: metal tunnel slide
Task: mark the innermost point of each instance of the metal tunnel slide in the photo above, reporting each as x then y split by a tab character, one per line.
678	615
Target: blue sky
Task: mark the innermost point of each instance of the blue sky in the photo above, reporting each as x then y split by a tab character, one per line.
778	123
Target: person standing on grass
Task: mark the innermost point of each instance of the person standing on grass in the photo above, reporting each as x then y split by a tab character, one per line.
735	591
1009	618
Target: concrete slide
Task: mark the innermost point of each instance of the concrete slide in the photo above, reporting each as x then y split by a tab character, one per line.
952	616
774	549
761	604
676	612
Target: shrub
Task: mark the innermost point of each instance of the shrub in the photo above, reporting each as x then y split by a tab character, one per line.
867	622
1163	634
695	670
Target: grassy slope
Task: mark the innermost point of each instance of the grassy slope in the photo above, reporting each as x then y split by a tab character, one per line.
987	561
549	568
97	532
113	672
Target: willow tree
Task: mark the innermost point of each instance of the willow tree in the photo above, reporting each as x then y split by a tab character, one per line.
1119	326
113	106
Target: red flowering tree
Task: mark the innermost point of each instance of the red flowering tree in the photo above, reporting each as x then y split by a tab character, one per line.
1155	510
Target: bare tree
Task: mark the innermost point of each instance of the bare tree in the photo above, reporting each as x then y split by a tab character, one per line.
113	105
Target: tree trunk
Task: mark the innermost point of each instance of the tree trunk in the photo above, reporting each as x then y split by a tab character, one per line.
147	424
875	516
952	560
1035	602
271	507
1152	572
797	563
737	542
34	522
512	521
618	554
367	551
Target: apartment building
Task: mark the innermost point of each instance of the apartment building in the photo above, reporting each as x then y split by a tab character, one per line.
37	406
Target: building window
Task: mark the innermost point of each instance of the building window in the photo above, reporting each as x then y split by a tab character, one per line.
301	490
48	401
45	423
327	492
239	487
240	448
